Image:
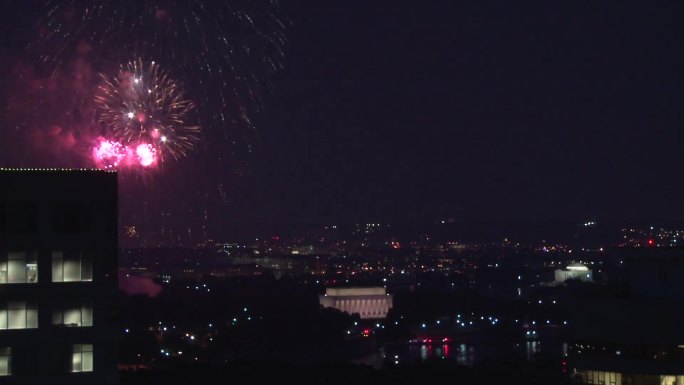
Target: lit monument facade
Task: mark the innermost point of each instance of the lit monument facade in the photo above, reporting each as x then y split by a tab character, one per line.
573	271
368	302
58	276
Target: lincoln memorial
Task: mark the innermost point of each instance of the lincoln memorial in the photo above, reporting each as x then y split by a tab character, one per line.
368	302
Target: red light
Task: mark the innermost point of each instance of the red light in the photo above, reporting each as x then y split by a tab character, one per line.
650	242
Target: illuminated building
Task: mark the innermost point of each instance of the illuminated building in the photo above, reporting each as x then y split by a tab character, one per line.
573	271
58	276
368	302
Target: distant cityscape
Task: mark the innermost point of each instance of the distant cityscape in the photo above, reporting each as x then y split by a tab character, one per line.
410	300
361	251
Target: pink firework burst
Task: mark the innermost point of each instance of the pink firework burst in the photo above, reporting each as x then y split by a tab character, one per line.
147	154
110	154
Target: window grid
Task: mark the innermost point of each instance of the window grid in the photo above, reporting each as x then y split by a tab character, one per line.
71	267
18	267
5	361
18	315
75	316
82	358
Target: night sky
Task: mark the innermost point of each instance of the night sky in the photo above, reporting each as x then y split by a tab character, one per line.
397	111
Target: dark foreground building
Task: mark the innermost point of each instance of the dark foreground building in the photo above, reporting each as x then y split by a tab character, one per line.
637	340
58	276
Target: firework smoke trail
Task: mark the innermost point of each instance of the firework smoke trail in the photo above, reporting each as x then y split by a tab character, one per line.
143	104
228	50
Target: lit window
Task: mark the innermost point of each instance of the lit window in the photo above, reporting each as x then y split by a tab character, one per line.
18	315
5	361
19	267
82	358
79	316
71	267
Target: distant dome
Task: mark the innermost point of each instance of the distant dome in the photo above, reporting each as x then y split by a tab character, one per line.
577	266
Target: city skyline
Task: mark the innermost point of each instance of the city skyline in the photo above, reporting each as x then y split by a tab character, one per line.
324	192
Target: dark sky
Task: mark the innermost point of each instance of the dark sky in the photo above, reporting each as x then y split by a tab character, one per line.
477	111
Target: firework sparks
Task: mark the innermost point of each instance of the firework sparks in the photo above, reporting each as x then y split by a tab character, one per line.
147	155
230	48
110	154
143	104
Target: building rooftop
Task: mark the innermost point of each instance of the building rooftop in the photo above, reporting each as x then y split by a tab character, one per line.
11	169
577	267
350	291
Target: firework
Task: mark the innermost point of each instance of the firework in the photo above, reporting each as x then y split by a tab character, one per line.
110	154
143	104
227	50
146	154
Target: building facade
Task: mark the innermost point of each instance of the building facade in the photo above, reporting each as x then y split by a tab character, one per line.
573	271
368	302
58	276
